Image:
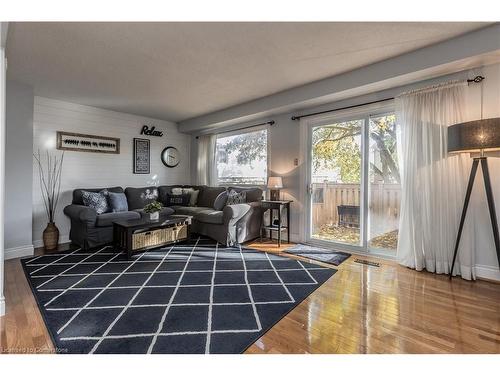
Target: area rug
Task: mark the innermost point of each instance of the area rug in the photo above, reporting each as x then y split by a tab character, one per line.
198	297
314	253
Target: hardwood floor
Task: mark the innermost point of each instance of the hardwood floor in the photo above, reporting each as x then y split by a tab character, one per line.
361	309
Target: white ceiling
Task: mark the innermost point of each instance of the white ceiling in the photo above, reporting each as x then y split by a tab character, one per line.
176	71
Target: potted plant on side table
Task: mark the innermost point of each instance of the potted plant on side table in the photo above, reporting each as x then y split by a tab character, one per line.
153	209
49	172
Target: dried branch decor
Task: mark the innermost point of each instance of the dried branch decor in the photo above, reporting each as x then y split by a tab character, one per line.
49	172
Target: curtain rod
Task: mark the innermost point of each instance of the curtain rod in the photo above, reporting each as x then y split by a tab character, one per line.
271	123
476	79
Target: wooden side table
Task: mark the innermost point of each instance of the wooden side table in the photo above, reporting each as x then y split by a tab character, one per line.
278	227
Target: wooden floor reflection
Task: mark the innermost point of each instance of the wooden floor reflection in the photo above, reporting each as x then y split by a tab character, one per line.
361	309
390	309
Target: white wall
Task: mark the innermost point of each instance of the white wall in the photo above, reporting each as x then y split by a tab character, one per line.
18	170
87	169
3	38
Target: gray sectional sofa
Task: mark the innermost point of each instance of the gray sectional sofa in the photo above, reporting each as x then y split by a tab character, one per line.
233	224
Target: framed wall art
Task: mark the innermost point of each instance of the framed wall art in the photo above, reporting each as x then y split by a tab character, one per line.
142	156
87	143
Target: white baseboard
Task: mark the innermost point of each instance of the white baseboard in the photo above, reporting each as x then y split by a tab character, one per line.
487	272
19	252
2	306
62	239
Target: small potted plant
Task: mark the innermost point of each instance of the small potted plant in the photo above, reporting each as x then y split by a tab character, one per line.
153	209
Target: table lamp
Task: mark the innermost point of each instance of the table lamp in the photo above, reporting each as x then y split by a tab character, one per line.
476	136
275	184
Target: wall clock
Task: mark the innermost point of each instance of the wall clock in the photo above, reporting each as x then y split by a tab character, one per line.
170	156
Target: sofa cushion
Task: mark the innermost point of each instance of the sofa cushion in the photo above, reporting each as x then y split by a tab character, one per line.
117	202
190	211
210	217
77	193
202	214
140	197
252	194
207	196
106	220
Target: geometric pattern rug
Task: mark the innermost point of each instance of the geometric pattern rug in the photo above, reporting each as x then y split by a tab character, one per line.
323	255
194	297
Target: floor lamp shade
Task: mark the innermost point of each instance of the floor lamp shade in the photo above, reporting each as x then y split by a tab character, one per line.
475	136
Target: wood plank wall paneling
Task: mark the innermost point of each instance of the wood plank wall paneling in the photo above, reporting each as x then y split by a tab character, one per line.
85	169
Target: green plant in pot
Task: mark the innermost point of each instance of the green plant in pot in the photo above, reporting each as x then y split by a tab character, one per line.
49	173
153	209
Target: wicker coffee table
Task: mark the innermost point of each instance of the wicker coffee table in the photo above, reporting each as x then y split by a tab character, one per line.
134	236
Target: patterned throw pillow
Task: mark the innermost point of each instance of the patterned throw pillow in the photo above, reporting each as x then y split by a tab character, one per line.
97	201
236	198
177	200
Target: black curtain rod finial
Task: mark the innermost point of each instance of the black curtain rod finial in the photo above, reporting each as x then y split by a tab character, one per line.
476	79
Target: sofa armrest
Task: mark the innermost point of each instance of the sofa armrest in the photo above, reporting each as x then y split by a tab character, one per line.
81	213
235	212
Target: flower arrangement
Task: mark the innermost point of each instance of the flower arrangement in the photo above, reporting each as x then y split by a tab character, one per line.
153	207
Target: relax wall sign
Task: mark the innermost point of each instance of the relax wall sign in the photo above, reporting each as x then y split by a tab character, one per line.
146	130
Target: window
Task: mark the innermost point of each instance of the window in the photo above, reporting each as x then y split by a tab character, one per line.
242	158
354	172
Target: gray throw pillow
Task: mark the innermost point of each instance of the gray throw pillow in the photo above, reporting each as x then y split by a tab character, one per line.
118	202
236	198
97	201
193	199
220	201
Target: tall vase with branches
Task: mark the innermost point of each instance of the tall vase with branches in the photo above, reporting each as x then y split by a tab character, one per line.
49	173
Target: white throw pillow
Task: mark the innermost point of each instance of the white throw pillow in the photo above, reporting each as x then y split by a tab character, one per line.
176	191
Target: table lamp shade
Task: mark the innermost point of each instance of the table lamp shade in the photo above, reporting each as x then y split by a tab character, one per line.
275	183
475	136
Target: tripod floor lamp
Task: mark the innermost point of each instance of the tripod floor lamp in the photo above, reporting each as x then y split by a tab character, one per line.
476	136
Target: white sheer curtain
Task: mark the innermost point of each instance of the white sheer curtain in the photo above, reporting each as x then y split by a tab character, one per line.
206	169
433	182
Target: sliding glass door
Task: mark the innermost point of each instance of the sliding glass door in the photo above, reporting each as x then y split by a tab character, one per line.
353	182
336	166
